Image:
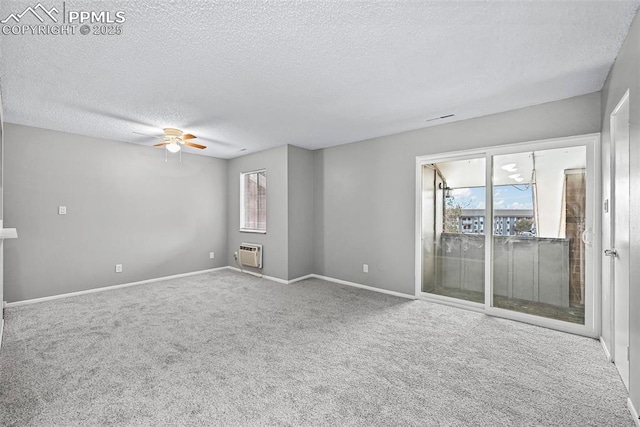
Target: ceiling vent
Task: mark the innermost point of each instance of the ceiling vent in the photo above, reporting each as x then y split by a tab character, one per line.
440	118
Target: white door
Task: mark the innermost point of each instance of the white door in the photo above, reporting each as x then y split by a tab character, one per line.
619	249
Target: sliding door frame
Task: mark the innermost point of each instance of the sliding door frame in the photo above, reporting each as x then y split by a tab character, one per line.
593	294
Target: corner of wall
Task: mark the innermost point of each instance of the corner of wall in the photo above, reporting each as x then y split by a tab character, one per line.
300	166
318	212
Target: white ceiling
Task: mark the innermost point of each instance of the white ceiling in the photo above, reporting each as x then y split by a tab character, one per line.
314	74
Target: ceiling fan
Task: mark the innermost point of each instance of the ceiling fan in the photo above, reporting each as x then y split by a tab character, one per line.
173	139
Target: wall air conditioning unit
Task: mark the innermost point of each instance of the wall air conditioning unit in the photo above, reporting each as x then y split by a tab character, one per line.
250	255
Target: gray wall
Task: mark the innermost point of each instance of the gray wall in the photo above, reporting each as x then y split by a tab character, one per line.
125	205
355	203
365	191
624	75
1	208
276	241
301	212
1	175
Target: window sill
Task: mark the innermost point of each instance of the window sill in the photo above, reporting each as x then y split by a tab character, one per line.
245	230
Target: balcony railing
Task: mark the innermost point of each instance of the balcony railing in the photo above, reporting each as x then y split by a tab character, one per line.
525	268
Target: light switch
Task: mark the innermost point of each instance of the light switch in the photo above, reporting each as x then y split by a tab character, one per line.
62	210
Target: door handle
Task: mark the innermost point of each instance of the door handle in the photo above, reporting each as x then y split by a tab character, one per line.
611	252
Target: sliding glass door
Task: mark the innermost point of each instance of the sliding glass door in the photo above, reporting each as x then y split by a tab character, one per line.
539	219
510	231
453	229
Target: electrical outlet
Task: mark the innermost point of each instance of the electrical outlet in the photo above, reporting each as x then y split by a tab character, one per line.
235	255
365	268
62	210
212	255
118	268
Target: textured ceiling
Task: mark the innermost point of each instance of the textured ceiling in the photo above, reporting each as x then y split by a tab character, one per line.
254	75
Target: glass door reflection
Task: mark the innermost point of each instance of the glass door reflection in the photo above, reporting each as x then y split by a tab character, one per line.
453	229
539	216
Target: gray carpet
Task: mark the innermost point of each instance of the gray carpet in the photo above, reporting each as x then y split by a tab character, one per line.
230	349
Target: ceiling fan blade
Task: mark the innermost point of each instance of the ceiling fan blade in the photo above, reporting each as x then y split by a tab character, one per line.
188	136
160	144
191	144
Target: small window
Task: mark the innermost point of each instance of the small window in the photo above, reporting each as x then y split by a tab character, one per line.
253	201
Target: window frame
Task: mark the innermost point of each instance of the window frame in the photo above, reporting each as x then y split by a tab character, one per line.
243	228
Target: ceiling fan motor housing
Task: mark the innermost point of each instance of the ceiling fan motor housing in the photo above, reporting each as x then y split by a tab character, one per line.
172	133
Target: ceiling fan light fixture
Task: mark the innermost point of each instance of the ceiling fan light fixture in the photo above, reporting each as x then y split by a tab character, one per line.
174	147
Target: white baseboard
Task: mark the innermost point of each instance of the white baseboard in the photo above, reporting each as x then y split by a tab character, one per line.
109	288
606	350
358	285
328	279
273	279
634	413
176	276
262	276
301	278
